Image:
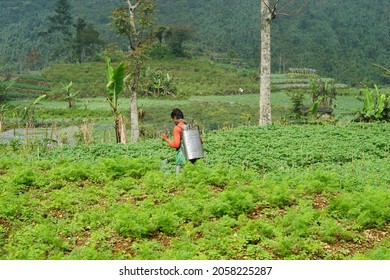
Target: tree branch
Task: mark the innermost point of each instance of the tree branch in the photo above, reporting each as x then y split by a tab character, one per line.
269	9
131	6
274	8
293	14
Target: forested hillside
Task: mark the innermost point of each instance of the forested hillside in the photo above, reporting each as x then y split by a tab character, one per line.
341	39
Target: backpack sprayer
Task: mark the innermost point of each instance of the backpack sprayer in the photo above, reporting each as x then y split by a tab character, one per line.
192	146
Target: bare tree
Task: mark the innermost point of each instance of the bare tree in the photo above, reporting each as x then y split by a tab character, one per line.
269	11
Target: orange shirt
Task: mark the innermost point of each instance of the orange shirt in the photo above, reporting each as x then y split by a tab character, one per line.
176	136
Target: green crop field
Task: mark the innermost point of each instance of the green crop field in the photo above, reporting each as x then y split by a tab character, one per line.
279	192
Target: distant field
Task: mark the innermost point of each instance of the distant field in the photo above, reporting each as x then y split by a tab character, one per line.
210	112
214	96
191	77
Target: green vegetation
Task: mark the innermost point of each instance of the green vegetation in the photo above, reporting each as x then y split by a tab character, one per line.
376	106
183	77
191	77
5	86
70	94
303	193
115	87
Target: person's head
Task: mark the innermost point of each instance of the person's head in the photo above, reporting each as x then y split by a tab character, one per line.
177	114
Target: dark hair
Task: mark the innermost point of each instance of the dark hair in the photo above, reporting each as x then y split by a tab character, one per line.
177	113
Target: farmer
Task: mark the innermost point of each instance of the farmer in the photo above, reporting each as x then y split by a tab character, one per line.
178	118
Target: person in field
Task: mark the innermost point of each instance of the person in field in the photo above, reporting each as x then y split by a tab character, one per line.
178	118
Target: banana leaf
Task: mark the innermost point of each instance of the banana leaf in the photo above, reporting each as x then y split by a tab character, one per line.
369	107
116	84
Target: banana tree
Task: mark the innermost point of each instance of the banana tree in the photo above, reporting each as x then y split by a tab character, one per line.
28	112
115	87
374	104
158	83
71	94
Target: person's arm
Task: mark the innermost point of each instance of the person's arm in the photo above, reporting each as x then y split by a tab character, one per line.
175	143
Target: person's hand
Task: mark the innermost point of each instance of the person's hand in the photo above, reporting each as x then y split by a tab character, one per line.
164	137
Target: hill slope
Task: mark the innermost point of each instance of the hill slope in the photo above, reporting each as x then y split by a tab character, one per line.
339	39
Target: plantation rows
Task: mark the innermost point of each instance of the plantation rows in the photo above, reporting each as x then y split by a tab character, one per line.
308	192
260	148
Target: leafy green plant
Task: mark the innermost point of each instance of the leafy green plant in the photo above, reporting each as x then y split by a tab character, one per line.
71	94
232	202
323	94
297	111
132	223
376	106
115	87
166	222
28	112
36	241
158	83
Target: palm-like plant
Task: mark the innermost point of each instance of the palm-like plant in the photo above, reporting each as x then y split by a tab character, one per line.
28	112
376	106
71	94
115	87
159	83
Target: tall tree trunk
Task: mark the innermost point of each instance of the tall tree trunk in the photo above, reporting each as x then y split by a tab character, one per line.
134	123
265	65
134	41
